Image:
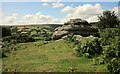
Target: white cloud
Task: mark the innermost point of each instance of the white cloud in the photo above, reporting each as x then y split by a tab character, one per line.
67	9
92	19
87	11
116	9
10	19
49	0
57	5
44	4
37	18
15	14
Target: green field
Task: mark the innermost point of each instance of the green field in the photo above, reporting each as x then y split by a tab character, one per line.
57	56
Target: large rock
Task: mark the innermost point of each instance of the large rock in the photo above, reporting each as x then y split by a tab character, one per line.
75	26
59	34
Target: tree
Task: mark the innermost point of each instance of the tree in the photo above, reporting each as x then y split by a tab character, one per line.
6	31
108	20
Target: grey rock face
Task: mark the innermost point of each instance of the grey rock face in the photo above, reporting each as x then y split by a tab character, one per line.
59	34
75	26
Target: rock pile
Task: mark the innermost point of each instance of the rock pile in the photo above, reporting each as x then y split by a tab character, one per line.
75	26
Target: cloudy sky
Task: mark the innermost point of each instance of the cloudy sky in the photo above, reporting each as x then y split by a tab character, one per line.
52	12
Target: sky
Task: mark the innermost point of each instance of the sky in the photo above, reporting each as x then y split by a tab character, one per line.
52	12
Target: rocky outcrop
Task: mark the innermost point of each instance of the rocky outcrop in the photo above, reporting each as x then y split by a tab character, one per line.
75	26
59	34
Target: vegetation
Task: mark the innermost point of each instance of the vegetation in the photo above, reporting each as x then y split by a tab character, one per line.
111	52
13	36
35	51
110	40
87	47
6	31
107	46
57	56
109	35
108	20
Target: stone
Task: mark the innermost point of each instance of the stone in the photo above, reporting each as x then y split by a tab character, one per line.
78	37
64	37
76	26
59	34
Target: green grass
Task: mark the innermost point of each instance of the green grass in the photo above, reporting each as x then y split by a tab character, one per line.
57	56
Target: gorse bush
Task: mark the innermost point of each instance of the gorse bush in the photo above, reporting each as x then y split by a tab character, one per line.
41	34
72	39
69	38
109	35
111	50
111	55
110	40
98	60
18	38
7	38
9	42
88	48
114	66
24	38
91	47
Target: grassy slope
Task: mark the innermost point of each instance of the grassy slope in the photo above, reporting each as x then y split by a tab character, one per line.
56	56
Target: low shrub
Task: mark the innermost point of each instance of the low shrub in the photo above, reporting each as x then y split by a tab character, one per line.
114	66
98	60
24	38
89	48
72	39
7	38
7	48
109	35
111	49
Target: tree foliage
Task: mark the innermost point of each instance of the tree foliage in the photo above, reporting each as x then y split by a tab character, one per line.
6	31
108	19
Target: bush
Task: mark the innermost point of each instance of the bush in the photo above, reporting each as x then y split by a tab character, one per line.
86	55
109	35
98	60
114	66
89	48
71	39
10	42
6	31
7	48
25	38
111	52
7	38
